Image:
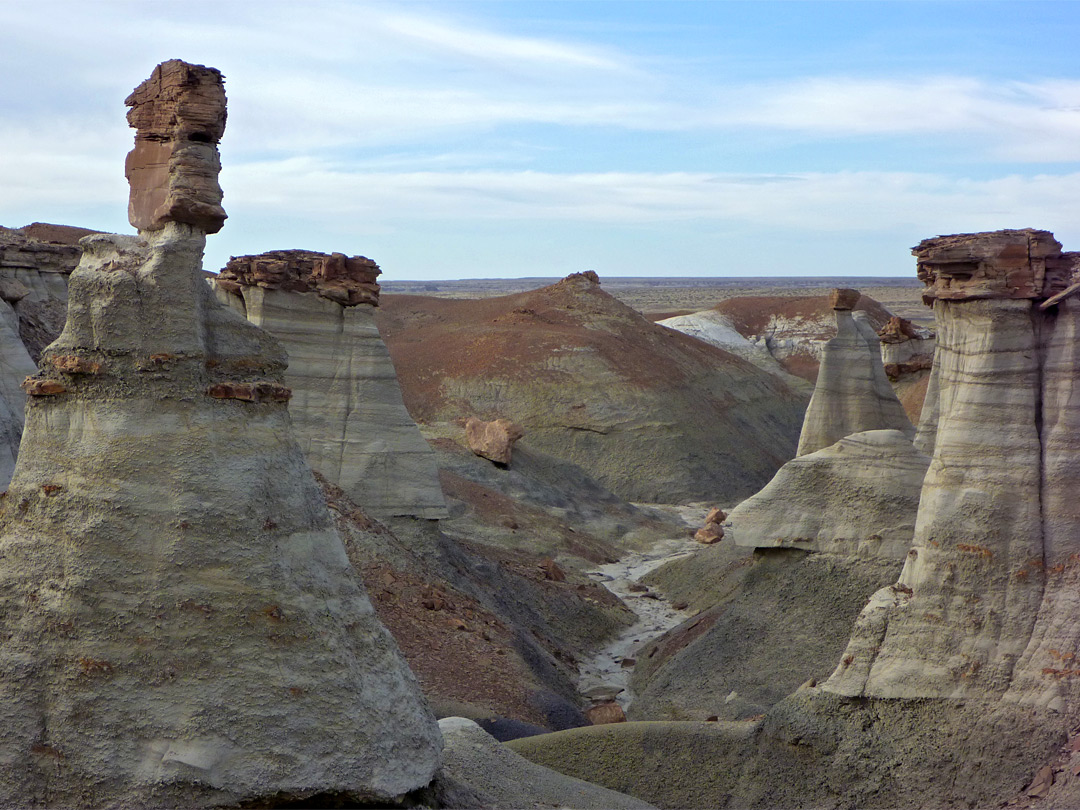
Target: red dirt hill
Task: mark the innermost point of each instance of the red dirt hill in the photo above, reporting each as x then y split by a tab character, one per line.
654	415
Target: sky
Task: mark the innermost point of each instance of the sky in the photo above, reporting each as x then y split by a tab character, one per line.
508	138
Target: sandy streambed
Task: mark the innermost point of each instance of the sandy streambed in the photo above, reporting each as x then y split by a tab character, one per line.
606	674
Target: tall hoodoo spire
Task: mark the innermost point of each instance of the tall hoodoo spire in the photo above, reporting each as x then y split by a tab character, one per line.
181	625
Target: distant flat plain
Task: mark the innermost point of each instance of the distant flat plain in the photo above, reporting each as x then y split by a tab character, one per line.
672	296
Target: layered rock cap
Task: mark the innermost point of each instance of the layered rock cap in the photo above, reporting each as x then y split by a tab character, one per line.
347	280
179	117
1021	263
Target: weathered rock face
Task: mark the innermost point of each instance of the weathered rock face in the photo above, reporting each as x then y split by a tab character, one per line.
852	393
40	265
182	625
653	415
857	497
493	440
179	117
346	280
347	408
984	604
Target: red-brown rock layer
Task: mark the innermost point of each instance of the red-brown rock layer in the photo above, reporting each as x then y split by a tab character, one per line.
1023	263
179	117
347	280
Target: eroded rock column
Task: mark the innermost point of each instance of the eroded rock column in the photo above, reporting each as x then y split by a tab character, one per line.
852	393
347	407
181	625
971	593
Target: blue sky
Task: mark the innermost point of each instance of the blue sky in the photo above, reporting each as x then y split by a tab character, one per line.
483	139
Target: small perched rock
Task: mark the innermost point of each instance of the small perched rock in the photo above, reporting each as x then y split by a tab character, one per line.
603	713
709	533
12	290
492	440
842	298
716	516
627	663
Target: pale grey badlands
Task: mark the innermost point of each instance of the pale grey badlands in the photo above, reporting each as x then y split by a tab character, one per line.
272	539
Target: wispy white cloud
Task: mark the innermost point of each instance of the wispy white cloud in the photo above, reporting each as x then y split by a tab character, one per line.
840	202
495	48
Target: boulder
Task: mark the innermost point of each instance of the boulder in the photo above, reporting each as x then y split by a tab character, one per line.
182	626
607	712
709	533
492	440
852	393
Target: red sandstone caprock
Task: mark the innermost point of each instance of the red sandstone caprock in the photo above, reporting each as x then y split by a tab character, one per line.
179	117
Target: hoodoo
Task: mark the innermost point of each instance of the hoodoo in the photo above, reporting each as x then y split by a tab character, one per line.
347	408
852	393
181	623
983	604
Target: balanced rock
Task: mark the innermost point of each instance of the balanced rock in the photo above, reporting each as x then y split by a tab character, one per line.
181	623
857	497
492	440
852	393
844	299
179	117
347	408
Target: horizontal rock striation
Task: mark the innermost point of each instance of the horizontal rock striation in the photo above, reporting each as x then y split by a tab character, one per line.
346	407
346	280
181	624
984	604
